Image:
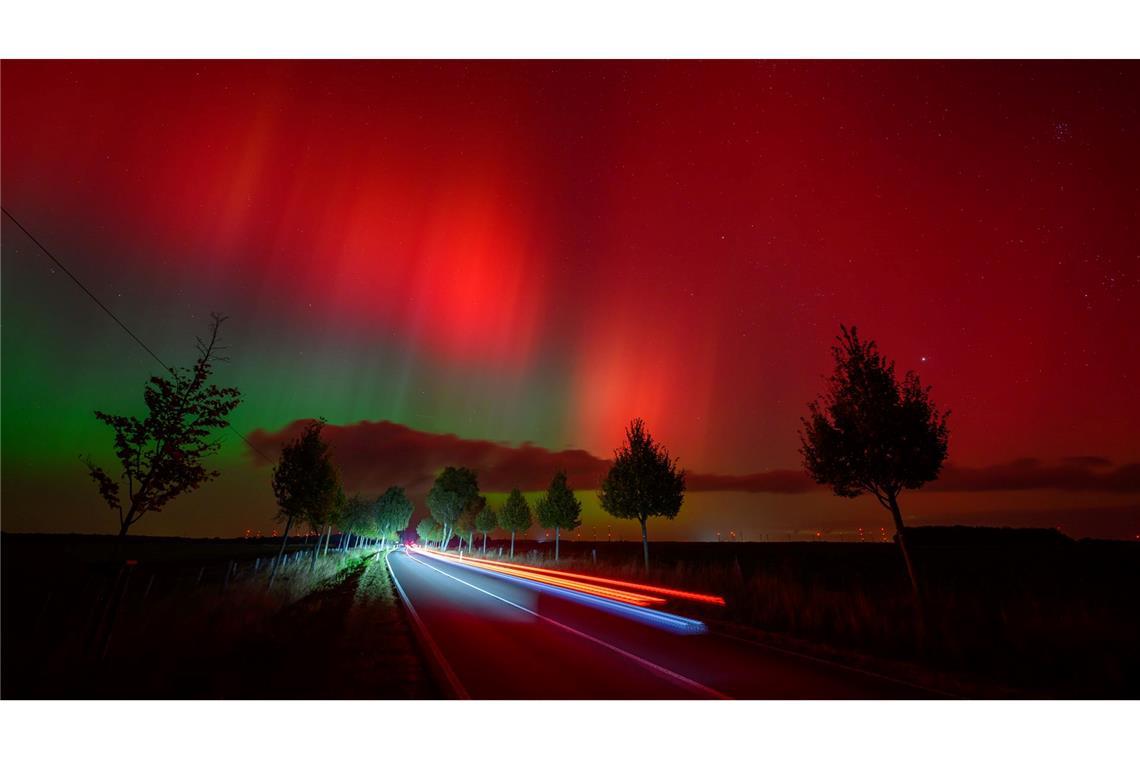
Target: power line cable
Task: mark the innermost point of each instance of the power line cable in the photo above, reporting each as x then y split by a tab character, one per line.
111	314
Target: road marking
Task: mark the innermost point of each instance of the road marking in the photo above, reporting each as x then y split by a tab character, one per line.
441	661
688	682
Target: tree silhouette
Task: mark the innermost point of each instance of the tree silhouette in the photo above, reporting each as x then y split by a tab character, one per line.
429	530
161	454
486	522
466	523
453	491
643	482
354	518
515	516
559	509
305	482
869	433
395	512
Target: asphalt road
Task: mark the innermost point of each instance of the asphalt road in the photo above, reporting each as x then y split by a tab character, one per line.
495	637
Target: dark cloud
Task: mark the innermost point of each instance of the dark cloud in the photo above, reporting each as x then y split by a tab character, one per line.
375	455
1070	474
771	481
1088	461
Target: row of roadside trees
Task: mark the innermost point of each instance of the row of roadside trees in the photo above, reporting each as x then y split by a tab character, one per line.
643	482
162	458
308	488
869	433
458	510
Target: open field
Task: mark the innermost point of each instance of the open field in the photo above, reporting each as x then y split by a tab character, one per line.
196	619
1025	613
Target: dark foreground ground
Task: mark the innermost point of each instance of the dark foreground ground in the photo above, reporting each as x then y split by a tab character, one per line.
1003	615
196	619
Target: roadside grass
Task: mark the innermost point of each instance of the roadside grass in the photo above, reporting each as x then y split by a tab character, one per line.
379	658
1054	620
79	624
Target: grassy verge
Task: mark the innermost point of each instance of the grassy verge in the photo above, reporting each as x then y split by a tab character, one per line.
197	625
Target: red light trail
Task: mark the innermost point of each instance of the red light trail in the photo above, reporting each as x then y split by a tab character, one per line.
587	583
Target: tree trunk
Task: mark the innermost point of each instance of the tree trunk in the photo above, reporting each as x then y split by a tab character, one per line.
900	536
328	537
555	543
280	552
512	544
316	551
645	544
484	542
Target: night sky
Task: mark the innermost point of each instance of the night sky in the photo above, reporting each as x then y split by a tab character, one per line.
491	263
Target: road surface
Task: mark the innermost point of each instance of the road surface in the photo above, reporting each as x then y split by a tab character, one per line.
495	637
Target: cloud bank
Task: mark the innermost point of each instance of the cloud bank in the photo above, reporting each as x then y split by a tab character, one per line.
375	455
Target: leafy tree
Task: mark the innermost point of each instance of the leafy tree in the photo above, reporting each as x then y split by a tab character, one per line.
429	530
870	433
453	491
515	516
354	517
305	482
643	482
486	522
559	509
395	512
161	454
468	518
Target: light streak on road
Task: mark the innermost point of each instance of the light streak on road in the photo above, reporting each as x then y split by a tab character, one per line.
659	590
688	682
592	580
521	571
642	614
